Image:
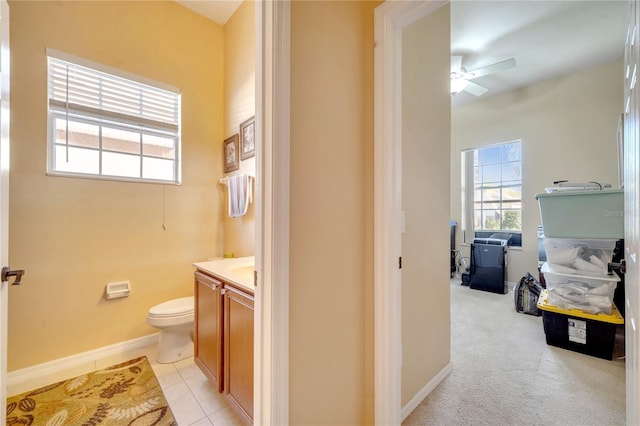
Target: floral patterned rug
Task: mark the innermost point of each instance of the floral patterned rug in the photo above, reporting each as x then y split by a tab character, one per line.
123	394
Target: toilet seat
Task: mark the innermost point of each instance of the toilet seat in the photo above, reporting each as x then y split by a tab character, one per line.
183	306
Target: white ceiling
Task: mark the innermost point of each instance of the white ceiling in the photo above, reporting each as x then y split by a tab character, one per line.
547	39
218	11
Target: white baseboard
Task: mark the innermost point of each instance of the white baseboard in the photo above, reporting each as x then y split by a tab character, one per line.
425	391
50	367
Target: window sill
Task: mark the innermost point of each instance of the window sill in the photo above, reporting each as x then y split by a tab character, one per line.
515	248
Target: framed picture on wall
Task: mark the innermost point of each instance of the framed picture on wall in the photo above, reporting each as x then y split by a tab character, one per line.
231	157
247	139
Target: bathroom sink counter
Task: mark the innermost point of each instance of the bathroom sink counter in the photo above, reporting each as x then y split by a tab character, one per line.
237	271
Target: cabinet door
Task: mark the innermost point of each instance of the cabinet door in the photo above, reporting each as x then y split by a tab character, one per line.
238	349
208	327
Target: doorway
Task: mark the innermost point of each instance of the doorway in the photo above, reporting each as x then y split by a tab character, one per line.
393	18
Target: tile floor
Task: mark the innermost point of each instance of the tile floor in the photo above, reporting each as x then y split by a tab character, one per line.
193	399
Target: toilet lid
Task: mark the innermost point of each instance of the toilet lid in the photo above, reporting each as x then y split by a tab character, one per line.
173	307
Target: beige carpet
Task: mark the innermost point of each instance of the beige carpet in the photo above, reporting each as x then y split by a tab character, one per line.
504	373
124	394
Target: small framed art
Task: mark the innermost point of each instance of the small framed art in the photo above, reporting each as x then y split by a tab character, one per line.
231	157
247	139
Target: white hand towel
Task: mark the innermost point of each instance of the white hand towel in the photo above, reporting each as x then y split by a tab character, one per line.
239	190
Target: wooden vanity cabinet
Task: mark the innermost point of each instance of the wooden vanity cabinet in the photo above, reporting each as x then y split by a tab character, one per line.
223	343
208	327
238	349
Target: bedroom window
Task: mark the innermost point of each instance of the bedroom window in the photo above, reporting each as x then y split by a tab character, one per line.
108	125
492	189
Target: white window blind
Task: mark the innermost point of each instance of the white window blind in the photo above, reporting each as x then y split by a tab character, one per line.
108	126
468	228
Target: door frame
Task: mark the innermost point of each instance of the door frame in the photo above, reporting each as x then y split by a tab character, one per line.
390	20
631	173
4	198
271	320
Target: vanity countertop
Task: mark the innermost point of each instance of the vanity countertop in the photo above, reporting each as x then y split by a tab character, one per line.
236	270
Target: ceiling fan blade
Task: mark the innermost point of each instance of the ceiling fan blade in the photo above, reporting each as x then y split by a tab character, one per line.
456	64
490	69
475	88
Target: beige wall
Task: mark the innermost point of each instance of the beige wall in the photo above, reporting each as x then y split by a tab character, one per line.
425	201
73	236
331	304
568	129
239	89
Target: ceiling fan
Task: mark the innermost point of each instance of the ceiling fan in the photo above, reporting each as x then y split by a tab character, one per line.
461	78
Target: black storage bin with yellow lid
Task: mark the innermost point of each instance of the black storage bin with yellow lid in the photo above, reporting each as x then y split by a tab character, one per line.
578	331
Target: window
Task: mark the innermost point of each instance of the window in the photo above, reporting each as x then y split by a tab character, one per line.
107	126
493	189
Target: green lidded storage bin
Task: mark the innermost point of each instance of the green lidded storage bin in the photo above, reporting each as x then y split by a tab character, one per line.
583	214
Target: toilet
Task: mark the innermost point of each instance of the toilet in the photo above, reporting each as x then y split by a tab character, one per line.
174	319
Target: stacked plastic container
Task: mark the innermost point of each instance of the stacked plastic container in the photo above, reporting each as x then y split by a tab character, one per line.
581	229
576	274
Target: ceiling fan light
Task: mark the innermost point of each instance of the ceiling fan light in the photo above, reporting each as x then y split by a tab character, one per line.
458	85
